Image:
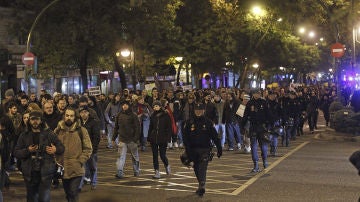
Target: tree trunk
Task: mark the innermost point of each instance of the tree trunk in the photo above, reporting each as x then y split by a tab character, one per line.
119	69
178	74
83	67
243	77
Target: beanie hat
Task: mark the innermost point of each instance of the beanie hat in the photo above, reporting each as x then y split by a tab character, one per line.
156	103
36	113
84	108
9	92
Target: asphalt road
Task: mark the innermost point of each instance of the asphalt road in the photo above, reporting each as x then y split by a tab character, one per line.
313	168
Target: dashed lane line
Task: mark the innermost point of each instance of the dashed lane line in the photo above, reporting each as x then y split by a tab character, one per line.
256	177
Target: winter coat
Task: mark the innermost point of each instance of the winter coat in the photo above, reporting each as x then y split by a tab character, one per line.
52	120
111	112
211	112
229	113
160	129
46	138
93	128
78	149
127	127
219	108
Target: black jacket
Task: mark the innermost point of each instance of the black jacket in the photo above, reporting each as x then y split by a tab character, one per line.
160	129
127	127
198	133
46	138
93	128
52	120
229	114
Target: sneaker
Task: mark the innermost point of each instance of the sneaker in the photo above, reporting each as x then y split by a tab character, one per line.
119	175
181	145
143	148
247	149
170	145
109	147
157	175
231	149
239	146
168	170
176	145
136	174
87	180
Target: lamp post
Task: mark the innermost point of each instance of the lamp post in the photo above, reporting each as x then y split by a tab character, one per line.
126	53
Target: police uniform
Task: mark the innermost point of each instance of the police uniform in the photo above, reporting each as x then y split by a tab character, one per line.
257	113
291	112
274	122
198	133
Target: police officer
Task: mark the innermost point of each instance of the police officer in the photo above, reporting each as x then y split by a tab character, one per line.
256	111
274	120
291	111
198	133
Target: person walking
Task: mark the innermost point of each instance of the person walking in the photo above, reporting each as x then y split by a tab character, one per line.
160	132
111	111
257	113
127	128
36	148
78	150
199	133
231	120
93	128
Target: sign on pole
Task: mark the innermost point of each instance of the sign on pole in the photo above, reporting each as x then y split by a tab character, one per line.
28	58
337	50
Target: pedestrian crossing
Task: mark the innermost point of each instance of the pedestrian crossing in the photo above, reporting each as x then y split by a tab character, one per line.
228	175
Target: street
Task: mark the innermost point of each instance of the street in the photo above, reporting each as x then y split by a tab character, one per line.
311	169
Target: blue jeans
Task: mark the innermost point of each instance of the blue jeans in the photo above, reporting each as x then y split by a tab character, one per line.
233	131
110	130
254	142
290	131
38	189
145	125
274	140
71	188
133	148
179	125
223	132
90	170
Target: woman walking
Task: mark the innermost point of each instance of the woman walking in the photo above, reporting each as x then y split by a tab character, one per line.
160	132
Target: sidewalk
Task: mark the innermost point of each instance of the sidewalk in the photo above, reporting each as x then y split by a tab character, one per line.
331	134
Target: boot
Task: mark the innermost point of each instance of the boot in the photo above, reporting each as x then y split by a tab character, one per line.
274	152
119	174
201	190
157	174
256	167
271	150
168	170
265	163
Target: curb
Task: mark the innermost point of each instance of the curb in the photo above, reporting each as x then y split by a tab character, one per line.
331	134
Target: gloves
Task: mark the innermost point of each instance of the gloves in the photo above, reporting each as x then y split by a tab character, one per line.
219	153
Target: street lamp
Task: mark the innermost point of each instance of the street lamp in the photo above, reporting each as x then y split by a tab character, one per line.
258	11
126	53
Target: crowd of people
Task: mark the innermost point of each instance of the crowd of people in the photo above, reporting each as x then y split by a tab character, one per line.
39	132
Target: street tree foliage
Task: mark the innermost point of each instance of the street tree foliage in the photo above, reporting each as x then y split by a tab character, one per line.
207	33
